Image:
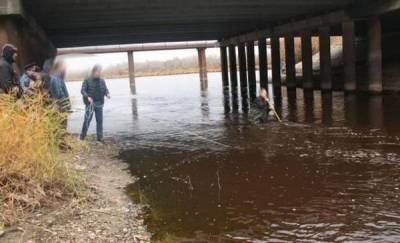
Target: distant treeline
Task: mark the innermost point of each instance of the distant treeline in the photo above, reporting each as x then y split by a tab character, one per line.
186	64
153	68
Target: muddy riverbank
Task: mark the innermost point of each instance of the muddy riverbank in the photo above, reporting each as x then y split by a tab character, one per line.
102	214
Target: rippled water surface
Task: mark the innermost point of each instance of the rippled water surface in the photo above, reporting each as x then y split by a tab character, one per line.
329	172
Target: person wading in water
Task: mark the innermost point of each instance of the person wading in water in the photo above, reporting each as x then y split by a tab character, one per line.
261	108
94	89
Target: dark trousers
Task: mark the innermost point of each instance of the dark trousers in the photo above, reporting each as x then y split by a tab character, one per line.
97	109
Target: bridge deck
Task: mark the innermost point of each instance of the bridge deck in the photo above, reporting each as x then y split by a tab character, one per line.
88	22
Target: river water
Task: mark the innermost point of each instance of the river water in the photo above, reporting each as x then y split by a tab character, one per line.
329	172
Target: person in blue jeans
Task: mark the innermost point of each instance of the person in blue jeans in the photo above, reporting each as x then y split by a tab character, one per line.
94	89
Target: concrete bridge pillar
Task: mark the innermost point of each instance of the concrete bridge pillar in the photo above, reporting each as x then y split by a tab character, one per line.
349	56
290	62
276	66
224	68
243	70
203	68
251	66
263	63
325	57
131	69
306	54
375	55
233	69
23	32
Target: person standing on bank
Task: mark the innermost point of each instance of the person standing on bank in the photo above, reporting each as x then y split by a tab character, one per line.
58	90
94	89
9	80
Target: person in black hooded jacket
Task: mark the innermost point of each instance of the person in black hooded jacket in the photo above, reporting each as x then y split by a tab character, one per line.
8	76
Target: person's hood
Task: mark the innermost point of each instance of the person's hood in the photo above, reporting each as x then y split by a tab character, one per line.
8	52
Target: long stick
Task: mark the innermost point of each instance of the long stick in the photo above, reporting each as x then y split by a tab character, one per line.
273	110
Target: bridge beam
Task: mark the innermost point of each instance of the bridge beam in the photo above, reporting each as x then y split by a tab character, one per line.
276	66
349	56
290	62
224	68
233	68
375	55
306	52
251	70
23	32
11	7
203	68
325	58
263	63
131	69
243	70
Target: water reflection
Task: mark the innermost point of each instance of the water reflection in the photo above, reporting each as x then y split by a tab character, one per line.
327	109
235	101
375	111
292	105
350	108
391	109
367	111
205	110
135	114
226	100
309	116
245	102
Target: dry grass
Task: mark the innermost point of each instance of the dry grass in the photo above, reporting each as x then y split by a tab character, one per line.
32	171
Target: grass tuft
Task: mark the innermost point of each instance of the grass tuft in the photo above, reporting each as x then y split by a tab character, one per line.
32	171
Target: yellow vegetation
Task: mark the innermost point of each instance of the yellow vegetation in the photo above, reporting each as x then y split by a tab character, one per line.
31	168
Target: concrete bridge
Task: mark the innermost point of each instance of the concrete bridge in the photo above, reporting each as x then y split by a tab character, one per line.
38	27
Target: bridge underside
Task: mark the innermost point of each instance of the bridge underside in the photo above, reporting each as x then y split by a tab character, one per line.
369	29
71	23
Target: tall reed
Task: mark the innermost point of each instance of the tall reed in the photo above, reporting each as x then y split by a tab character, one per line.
31	166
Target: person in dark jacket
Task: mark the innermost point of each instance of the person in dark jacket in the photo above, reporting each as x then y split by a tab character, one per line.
261	107
94	89
9	80
58	90
45	74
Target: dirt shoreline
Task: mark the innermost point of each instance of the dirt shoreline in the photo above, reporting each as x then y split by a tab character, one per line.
103	214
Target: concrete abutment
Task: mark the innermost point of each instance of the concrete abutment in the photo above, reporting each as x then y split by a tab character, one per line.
22	31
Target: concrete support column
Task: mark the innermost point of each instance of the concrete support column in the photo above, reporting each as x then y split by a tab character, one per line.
131	68
203	68
375	55
251	66
233	68
306	54
224	68
243	70
325	57
263	63
290	62
276	66
349	56
31	41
